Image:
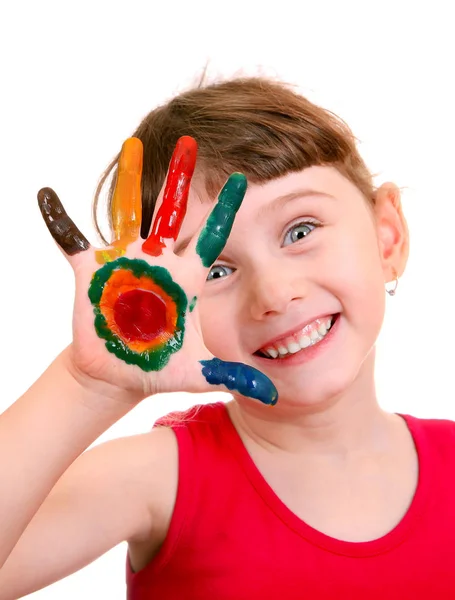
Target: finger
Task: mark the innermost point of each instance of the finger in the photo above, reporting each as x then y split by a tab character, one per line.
127	200
241	378
171	213
126	209
215	233
61	227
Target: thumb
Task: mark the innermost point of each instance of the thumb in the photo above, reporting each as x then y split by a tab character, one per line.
241	378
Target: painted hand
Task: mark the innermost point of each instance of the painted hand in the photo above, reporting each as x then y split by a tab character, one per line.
133	324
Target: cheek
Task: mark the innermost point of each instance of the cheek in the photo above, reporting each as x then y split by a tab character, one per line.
359	279
353	257
218	328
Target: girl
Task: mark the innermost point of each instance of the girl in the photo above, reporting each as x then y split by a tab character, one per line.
318	493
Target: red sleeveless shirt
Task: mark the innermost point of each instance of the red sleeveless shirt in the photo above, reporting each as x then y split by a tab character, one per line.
231	537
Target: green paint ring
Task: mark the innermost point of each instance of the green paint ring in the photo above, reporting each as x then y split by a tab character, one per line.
154	359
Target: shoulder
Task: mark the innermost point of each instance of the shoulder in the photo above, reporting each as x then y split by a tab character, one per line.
165	457
173	447
197	415
439	434
142	468
431	425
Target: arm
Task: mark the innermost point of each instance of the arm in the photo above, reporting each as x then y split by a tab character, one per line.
40	436
118	491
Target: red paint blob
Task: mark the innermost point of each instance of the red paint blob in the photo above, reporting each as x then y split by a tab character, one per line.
140	315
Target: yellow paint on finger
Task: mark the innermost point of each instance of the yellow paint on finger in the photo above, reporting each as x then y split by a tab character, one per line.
108	254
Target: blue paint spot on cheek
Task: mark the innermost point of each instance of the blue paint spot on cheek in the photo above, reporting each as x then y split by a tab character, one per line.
241	378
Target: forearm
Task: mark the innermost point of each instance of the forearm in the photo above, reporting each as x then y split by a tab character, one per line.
40	436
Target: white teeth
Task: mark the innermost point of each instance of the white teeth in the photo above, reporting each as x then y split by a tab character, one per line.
305	341
273	353
322	329
293	347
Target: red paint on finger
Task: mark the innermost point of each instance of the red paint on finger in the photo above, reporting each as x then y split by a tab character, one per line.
171	213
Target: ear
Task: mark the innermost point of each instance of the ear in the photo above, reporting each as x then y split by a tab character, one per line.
392	231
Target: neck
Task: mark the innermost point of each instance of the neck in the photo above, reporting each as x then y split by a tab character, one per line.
346	426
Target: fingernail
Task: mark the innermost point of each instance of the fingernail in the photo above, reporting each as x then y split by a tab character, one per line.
241	378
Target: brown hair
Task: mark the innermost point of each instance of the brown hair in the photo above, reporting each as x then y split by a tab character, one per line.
253	125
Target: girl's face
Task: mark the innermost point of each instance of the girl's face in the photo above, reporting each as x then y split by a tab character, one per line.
303	250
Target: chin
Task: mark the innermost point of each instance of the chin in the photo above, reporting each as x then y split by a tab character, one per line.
316	396
319	393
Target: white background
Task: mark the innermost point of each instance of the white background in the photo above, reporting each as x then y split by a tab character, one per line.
77	78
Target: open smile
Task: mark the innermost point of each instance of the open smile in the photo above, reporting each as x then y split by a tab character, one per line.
305	342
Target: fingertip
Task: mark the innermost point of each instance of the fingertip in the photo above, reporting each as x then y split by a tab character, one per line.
242	378
274	397
184	156
59	224
234	191
42	193
45	194
188	142
239	179
131	156
49	204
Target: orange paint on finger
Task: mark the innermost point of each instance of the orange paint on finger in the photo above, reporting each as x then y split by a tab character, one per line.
126	201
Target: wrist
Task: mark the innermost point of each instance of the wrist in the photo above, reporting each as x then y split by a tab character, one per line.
98	395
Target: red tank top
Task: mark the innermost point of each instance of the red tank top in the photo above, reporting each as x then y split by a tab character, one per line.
231	537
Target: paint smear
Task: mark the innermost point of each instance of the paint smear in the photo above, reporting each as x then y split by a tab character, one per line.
213	237
241	378
193	303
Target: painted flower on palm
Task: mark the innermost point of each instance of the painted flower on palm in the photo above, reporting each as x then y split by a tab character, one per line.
139	311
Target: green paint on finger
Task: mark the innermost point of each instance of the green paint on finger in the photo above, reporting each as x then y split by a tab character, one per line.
213	237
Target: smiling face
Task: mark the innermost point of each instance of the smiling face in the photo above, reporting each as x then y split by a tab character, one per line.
303	248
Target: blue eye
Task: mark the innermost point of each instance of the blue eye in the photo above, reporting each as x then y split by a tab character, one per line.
298	232
219	271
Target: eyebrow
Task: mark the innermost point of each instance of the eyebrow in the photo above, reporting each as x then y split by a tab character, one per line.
272	207
280	201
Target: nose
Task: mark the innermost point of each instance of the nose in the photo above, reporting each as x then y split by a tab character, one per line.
270	292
